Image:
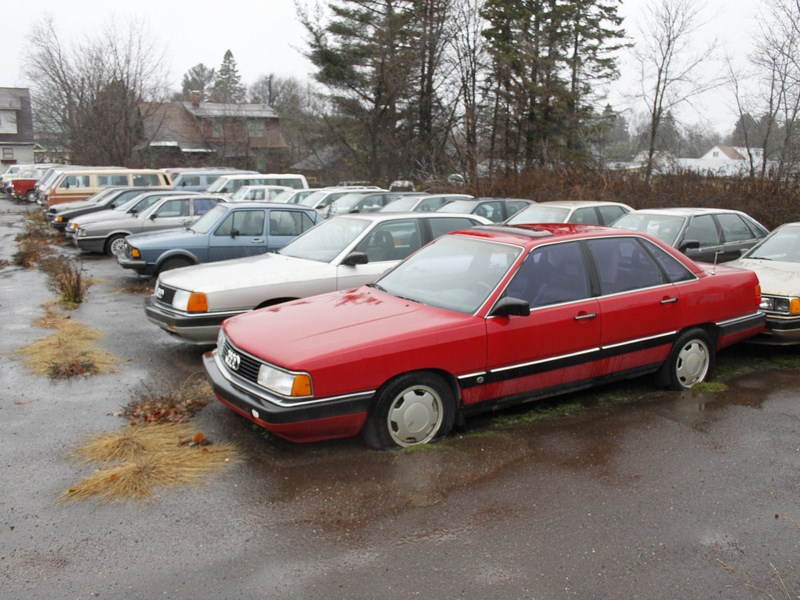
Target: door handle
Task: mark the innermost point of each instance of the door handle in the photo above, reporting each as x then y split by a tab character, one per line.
256	241
582	316
668	300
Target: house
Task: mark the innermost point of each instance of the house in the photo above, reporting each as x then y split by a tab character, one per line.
724	152
198	133
16	127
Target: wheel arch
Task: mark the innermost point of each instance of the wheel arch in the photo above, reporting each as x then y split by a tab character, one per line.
175	253
274	301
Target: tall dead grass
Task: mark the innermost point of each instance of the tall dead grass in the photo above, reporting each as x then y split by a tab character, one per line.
138	460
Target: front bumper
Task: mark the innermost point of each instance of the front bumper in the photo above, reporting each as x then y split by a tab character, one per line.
201	329
130	263
302	422
780	331
87	244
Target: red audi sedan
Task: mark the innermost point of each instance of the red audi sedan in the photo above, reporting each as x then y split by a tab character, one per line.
479	319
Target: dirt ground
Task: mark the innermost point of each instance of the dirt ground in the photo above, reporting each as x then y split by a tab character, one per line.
621	492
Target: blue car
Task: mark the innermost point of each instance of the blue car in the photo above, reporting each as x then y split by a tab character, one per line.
226	231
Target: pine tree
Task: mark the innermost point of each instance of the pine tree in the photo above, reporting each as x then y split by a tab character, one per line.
197	79
228	87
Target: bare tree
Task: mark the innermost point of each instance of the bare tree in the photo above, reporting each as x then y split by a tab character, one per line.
670	64
87	97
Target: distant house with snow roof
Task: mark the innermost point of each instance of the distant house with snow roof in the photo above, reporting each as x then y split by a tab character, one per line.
198	133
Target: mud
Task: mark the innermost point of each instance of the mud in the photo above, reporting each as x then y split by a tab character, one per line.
619	492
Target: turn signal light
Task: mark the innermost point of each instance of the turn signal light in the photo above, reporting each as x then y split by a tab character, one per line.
197	303
301	385
794	306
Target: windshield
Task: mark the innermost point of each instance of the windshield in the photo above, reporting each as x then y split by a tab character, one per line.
241	192
208	220
313	198
536	213
664	227
782	245
459	206
401	204
347	201
326	241
453	272
218	185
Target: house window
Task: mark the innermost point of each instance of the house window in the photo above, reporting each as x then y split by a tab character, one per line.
715	154
8	153
256	128
217	130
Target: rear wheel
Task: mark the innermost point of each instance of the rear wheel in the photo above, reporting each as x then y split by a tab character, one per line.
174	263
115	244
412	409
690	361
30	196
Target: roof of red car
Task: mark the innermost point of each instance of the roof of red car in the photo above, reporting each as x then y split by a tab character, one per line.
525	234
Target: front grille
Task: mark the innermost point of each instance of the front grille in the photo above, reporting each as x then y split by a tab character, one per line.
248	366
167	296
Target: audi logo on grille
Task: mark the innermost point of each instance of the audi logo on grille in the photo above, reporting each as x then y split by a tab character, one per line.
233	360
159	292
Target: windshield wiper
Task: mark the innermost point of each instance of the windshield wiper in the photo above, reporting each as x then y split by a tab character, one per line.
377	287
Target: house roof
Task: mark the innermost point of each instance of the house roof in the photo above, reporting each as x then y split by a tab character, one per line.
169	125
218	109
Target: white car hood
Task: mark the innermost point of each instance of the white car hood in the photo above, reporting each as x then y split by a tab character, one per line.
776	278
104	215
249	272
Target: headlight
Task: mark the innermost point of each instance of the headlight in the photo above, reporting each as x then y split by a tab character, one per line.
284	383
193	302
220	338
788	306
80	232
60	218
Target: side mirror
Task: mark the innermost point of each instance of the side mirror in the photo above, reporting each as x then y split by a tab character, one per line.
355	258
511	307
234	233
689	245
153	217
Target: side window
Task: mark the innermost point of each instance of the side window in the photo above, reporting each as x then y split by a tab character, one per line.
225	228
74	181
193	180
623	264
514	207
490	210
203	205
675	270
287	222
551	275
173	208
372	203
391	241
702	229
146	179
609	214
448	224
586	216
249	222
104	180
734	229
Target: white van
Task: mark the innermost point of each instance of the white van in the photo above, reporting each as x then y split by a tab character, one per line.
228	184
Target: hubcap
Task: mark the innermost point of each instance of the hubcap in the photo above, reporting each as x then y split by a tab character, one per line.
117	246
415	416
692	364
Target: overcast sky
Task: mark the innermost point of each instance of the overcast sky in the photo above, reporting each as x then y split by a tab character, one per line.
266	37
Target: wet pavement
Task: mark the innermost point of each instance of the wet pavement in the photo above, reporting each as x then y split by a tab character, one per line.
620	492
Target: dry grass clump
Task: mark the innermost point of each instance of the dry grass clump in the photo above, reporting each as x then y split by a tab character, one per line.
66	277
141	459
34	242
176	405
70	351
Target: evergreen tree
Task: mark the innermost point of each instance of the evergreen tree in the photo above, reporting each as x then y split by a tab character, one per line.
200	79
228	87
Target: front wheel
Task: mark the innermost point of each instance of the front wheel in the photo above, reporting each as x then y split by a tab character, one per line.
30	196
412	409
690	361
174	263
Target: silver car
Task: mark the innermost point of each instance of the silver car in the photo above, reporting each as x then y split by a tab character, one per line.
338	254
108	236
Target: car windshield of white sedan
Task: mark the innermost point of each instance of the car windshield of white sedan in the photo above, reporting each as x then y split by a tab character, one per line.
453	272
783	245
459	206
327	240
536	213
664	227
208	220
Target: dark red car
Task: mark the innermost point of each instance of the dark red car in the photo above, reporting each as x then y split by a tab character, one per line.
478	319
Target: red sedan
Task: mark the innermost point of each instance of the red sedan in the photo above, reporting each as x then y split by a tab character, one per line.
479	319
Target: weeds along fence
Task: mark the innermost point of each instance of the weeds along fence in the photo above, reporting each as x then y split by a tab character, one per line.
771	202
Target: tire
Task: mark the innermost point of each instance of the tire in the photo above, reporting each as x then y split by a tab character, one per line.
30	196
115	244
690	361
412	409
174	263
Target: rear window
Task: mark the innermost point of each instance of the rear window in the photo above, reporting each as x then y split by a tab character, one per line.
147	179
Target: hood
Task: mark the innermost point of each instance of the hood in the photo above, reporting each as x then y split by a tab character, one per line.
776	277
65	206
101	215
248	272
127	222
320	330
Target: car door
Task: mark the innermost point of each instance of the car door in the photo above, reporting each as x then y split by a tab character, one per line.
555	346
703	230
284	225
639	305
737	236
173	213
241	233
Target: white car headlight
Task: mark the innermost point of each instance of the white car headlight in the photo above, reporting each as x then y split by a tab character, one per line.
284	383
